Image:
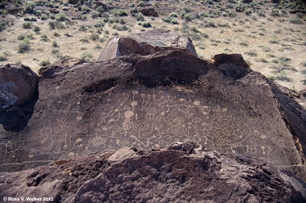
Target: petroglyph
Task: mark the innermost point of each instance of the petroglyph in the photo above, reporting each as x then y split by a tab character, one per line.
146	119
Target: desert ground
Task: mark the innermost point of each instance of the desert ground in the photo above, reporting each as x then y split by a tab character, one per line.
270	36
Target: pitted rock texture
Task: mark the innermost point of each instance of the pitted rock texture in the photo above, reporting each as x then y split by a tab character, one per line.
151	101
146	43
184	172
18	85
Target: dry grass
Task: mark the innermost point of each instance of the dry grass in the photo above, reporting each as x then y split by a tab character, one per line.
215	28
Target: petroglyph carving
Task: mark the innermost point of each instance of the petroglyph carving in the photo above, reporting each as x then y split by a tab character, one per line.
98	141
150	118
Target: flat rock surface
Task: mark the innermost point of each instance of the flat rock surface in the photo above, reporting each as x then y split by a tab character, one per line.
184	172
147	102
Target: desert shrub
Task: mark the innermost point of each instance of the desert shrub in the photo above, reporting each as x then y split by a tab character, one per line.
30	7
54	51
85	9
44	62
54	44
99	24
119	27
134	12
240	8
263	60
146	24
121	21
94	15
296	21
86	56
274	41
210	24
143	4
173	15
24	36
56	34
139	17
119	12
61	17
187	9
27	25
3	57
182	14
68	35
100	9
275	13
283	78
174	21
113	20
251	53
36	29
84	40
82	28
272	78
266	49
115	33
44	38
24	46
98	46
243	44
3	26
188	17
56	24
284	60
94	36
248	12
195	36
102	40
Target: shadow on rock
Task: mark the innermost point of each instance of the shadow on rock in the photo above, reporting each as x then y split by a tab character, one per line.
15	119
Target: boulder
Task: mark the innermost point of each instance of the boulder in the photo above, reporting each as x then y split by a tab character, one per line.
73	1
146	43
151	101
148	12
18	85
181	172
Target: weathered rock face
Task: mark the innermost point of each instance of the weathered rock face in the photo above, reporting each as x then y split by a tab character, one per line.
150	101
185	172
18	85
146	43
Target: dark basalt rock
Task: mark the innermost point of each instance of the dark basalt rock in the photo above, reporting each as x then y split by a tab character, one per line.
18	84
184	172
151	101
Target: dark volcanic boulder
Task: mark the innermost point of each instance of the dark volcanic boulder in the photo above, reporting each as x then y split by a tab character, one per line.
184	172
74	1
150	101
146	43
17	85
148	12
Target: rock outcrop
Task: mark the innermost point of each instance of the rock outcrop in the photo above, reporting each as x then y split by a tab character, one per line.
150	101
148	12
18	85
183	172
146	43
